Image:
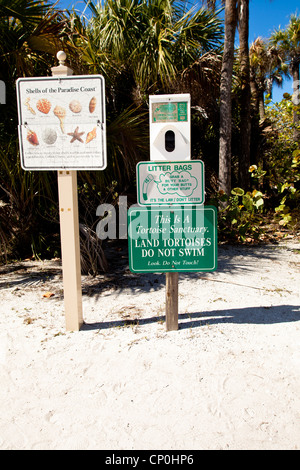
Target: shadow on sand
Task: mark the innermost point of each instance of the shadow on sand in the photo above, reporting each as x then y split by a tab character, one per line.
250	315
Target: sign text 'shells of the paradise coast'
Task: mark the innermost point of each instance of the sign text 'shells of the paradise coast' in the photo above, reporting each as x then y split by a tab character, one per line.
170	239
62	122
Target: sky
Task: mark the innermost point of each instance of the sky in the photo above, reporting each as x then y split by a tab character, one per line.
264	17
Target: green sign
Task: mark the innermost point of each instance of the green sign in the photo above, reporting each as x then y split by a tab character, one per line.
169	112
177	238
164	183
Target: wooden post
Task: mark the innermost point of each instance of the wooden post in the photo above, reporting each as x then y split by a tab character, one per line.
172	301
70	248
69	232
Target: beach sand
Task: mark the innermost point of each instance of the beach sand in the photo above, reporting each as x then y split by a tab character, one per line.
229	378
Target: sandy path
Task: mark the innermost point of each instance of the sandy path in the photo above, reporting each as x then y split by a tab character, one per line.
229	378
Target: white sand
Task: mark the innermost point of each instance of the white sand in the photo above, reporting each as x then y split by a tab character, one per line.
229	378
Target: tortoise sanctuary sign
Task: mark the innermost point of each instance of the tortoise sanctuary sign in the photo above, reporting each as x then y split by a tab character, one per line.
62	122
170	239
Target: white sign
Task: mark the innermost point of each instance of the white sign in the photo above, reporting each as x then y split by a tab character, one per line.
170	127
62	123
164	183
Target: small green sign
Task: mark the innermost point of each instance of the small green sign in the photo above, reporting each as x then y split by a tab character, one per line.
170	112
165	183
177	238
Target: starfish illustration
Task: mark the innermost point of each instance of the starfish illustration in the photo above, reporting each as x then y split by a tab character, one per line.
76	135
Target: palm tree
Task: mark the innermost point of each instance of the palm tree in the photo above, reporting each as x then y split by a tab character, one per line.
141	48
174	41
28	29
288	42
29	36
225	97
266	68
153	40
236	14
245	126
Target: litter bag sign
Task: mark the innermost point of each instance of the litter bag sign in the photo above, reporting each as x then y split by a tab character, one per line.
163	183
62	122
169	112
177	238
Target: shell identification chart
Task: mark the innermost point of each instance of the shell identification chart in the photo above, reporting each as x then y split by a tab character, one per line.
62	123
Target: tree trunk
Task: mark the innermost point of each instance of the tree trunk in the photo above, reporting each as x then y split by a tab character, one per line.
257	97
245	126
225	97
261	106
296	96
254	90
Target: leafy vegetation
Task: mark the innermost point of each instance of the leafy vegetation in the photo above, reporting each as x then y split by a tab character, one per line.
150	47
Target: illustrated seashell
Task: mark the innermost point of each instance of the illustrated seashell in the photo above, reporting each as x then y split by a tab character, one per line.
32	138
61	114
27	104
91	135
75	106
49	136
43	105
92	105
